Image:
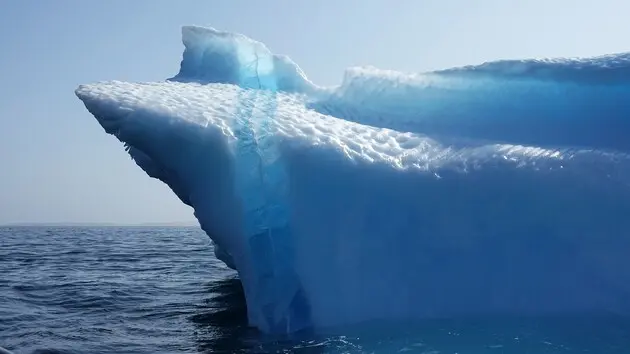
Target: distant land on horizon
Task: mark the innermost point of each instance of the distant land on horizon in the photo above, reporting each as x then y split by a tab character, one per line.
104	224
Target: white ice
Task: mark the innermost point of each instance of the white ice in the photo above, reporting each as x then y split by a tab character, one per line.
494	189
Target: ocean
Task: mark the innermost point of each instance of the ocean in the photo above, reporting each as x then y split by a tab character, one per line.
160	290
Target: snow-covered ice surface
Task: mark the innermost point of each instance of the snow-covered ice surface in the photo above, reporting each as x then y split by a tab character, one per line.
498	189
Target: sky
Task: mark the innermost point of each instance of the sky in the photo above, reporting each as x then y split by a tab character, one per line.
57	164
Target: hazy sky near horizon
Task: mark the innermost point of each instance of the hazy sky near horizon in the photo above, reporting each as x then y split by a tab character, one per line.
57	164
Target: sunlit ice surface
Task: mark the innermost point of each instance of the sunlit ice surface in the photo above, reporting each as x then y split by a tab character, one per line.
495	189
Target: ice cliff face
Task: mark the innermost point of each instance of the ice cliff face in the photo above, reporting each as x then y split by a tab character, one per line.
493	189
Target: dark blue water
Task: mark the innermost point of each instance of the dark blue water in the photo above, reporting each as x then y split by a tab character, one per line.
160	290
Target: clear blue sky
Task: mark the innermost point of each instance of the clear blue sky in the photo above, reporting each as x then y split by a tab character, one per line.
56	163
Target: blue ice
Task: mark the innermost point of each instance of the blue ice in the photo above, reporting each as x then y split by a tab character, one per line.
496	189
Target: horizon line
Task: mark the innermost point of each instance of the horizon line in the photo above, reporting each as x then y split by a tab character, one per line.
70	223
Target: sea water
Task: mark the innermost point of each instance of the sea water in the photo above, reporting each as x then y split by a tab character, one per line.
161	290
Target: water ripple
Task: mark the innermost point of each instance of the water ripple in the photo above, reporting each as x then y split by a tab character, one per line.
103	290
66	290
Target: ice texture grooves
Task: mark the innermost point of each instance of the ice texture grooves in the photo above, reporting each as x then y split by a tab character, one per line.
494	189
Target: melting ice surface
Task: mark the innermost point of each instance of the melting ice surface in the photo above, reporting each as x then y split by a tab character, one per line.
498	189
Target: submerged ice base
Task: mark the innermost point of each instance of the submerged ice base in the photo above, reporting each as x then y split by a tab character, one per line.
488	190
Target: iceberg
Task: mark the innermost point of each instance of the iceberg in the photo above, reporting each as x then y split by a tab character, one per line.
496	189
